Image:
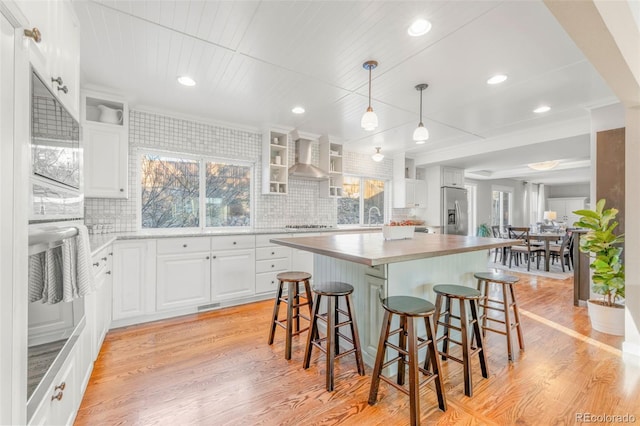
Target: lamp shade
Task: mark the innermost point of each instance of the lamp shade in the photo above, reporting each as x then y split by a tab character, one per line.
544	165
550	215
420	134
377	157
369	120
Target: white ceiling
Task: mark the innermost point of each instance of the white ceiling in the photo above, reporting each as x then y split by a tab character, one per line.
254	61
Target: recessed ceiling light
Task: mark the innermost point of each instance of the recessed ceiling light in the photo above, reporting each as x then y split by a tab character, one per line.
297	110
186	81
544	165
541	109
497	79
419	27
421	142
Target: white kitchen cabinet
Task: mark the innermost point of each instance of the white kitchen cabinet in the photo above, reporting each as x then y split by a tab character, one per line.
331	162
564	208
452	176
134	278
183	280
271	259
56	57
106	146
275	162
98	304
409	186
232	274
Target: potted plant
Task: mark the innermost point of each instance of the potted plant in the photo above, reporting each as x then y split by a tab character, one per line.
483	230
604	248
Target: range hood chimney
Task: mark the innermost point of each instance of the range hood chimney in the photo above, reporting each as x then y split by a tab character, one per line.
303	169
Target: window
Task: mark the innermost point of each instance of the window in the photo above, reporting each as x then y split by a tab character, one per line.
362	202
182	192
501	201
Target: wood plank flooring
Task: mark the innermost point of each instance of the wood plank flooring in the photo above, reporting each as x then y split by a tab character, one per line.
216	368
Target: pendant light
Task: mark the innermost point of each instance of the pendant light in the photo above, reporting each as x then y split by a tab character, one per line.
421	134
378	156
369	119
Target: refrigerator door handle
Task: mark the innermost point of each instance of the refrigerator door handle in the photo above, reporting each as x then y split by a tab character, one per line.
457	215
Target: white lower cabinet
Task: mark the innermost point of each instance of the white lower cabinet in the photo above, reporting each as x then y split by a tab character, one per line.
134	278
233	274
183	280
271	259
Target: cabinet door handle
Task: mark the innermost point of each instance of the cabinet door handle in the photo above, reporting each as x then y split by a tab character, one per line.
96	264
272	253
207	257
57	80
108	272
57	396
273	282
121	189
111	254
104	258
184	245
273	266
61	386
234	243
63	89
34	34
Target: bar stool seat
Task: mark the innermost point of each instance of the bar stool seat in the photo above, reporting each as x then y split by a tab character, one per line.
292	321
332	291
409	343
504	306
445	293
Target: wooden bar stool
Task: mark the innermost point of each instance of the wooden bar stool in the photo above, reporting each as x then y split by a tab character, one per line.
408	309
333	290
462	294
293	280
505	283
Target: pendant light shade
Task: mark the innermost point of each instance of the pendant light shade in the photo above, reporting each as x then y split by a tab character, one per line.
377	156
369	119
421	134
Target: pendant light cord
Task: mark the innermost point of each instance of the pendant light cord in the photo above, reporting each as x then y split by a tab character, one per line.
369	87
421	106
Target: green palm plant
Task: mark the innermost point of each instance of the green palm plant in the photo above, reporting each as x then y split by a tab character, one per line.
605	250
483	230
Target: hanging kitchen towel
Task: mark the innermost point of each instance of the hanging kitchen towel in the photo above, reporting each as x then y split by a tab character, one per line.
45	276
84	272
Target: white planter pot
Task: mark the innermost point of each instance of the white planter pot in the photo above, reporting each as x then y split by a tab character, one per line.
606	319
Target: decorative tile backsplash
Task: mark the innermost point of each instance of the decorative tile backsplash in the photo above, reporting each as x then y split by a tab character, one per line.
302	205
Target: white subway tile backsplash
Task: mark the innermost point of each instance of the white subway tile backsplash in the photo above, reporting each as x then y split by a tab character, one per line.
302	205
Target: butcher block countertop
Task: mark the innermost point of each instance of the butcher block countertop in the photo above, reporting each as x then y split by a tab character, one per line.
372	249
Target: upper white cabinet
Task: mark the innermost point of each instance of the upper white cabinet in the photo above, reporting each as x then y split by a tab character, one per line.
105	140
452	176
54	48
275	162
331	161
409	186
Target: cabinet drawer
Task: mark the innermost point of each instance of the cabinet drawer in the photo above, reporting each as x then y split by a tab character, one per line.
266	282
272	265
183	245
274	252
232	242
263	240
101	262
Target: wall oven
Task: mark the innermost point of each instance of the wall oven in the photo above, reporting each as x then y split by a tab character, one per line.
56	158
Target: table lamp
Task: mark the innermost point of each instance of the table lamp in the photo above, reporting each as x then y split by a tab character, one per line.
550	216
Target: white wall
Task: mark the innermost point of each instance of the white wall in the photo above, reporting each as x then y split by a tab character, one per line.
560	191
484	190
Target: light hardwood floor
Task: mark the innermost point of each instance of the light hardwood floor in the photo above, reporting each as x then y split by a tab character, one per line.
216	368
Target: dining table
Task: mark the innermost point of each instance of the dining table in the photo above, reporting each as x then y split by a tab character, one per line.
547	238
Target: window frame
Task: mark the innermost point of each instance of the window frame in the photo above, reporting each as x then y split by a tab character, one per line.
202	192
362	214
510	191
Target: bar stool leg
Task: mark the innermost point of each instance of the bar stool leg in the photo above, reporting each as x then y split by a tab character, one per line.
432	359
296	308
307	290
466	365
402	343
507	321
377	366
516	314
355	335
313	332
447	331
414	388
336	320
479	339
274	317
331	307
290	299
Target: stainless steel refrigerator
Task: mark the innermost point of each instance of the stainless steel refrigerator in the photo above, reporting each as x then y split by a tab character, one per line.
454	211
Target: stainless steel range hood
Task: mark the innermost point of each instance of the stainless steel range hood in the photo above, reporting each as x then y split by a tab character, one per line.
303	169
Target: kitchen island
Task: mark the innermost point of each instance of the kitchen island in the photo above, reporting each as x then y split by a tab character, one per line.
411	267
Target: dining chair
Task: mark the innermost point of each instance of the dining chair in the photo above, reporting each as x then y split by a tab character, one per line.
562	251
495	231
525	248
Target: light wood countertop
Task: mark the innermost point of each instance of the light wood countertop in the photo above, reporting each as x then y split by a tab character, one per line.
372	249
